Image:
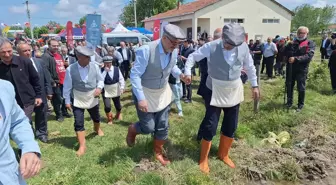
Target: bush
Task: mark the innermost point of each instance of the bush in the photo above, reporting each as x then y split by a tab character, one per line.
319	77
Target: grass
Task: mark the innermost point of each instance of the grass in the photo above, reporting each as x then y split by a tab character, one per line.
109	161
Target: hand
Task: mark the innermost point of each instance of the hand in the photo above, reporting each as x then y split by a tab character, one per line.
142	105
66	63
68	106
291	60
49	97
122	91
38	102
97	92
187	79
256	93
30	165
182	76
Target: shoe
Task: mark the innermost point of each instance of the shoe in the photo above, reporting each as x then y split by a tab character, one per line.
60	119
299	109
187	101
130	138
180	114
158	150
223	150
203	162
43	139
109	117
67	115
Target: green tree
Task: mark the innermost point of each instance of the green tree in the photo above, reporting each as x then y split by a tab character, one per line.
316	19
145	8
27	32
42	30
59	29
52	24
82	20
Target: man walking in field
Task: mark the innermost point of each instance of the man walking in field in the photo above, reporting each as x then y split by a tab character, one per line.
151	92
224	89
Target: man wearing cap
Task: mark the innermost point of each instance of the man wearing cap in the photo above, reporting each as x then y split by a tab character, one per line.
114	85
187	49
151	92
224	89
84	82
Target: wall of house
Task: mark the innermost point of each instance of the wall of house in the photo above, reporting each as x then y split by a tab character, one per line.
252	12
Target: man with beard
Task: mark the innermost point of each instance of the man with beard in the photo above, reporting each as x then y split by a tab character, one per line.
151	92
224	88
299	53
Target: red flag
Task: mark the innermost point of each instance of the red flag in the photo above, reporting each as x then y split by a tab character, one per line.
69	33
156	30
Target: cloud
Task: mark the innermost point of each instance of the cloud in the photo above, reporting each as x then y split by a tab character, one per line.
22	9
75	9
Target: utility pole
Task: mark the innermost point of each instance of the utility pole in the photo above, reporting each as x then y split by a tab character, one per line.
30	26
135	14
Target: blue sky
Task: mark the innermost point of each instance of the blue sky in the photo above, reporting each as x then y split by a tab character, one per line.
13	11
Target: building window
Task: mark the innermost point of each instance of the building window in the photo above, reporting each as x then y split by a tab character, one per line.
233	21
270	21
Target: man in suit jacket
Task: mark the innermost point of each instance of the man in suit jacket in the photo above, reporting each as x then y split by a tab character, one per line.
14	123
41	119
126	55
324	46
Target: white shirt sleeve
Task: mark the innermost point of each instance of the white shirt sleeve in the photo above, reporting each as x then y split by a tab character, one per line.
250	69
196	56
67	86
121	80
100	79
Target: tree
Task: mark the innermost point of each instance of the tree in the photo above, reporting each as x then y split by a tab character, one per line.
52	24
316	19
59	29
42	30
27	32
145	8
82	20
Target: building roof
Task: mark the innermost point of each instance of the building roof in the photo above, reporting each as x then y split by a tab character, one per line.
184	9
192	7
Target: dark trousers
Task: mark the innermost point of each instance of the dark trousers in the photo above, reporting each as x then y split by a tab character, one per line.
186	91
107	104
332	69
124	68
209	124
79	117
269	61
300	78
263	65
324	54
59	102
40	118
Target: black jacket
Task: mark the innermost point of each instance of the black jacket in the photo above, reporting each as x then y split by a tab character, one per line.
50	63
26	80
44	78
128	54
302	55
326	45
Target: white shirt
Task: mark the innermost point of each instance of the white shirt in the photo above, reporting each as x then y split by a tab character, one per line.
230	57
2	114
124	52
111	74
84	74
34	64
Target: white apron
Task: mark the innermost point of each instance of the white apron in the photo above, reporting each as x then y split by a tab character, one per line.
85	100
112	91
227	93
158	99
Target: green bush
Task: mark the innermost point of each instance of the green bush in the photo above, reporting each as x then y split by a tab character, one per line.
319	77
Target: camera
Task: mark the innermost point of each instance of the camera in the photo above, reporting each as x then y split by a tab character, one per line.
333	35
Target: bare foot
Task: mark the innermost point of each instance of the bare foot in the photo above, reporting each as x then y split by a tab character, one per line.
81	151
110	123
100	132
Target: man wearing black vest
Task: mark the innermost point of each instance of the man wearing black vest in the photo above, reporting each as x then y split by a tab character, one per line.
126	55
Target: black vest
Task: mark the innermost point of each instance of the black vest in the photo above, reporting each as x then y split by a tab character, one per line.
110	81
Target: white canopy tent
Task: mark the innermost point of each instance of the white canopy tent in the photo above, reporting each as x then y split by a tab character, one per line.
120	29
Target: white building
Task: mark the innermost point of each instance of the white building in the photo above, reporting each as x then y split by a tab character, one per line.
261	18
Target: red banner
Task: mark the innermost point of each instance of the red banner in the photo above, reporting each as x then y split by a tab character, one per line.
69	33
156	30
